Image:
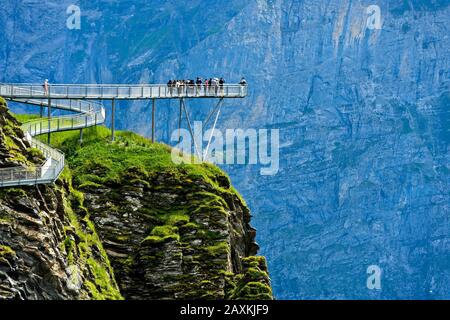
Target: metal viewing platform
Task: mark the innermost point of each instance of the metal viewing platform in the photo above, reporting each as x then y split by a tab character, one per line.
76	98
121	92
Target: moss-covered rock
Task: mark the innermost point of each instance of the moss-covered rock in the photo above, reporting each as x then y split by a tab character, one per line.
15	150
171	231
49	248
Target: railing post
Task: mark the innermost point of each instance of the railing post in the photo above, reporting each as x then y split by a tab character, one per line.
49	115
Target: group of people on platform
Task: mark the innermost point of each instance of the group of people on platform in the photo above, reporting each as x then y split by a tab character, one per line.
211	86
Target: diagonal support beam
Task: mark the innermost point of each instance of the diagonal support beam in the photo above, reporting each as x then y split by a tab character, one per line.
218	108
218	105
180	119
216	111
190	129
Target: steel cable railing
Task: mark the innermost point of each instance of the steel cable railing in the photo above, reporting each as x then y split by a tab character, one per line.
142	91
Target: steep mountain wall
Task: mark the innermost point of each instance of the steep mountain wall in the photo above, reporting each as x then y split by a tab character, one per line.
363	114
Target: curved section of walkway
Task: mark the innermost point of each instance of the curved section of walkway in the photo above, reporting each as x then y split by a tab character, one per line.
85	114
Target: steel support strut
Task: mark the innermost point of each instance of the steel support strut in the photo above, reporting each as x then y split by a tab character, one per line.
153	120
216	111
113	128
218	108
49	114
179	120
197	151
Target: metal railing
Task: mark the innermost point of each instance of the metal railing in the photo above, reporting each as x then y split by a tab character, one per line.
128	92
75	98
48	172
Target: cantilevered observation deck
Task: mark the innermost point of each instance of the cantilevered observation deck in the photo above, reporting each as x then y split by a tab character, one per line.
79	99
121	92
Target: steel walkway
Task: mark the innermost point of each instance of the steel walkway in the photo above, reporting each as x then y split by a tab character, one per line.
76	99
121	92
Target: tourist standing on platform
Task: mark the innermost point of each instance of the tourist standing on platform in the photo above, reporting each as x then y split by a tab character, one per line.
206	86
199	83
210	84
243	84
178	86
191	84
221	83
169	85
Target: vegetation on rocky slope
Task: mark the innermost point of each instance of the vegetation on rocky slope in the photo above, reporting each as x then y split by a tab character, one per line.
12	143
49	248
170	231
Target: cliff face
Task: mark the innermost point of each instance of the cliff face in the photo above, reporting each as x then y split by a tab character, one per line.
47	249
163	232
170	231
170	237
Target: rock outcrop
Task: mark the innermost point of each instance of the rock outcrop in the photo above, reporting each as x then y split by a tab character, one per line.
49	248
166	224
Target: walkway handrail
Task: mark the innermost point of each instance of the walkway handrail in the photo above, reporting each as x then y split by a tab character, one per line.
123	91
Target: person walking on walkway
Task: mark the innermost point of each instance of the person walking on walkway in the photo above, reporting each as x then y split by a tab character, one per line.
46	86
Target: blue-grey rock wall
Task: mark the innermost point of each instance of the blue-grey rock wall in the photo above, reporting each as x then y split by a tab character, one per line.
363	116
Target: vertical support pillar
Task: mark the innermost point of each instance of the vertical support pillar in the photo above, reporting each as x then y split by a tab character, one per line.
113	128
41	111
49	114
153	120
